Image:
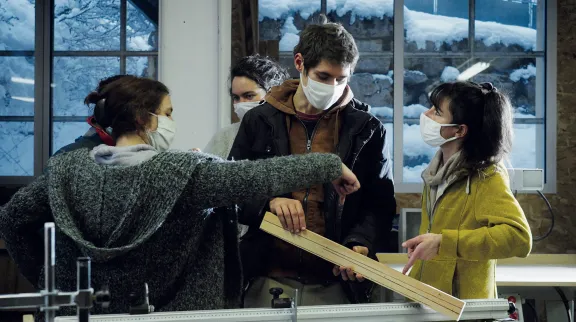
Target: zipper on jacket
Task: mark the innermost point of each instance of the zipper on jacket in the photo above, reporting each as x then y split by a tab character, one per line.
307	194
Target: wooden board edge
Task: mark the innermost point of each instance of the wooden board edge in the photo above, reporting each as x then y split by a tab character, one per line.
272	225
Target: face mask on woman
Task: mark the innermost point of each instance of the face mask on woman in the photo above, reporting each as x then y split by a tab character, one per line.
243	107
162	137
430	131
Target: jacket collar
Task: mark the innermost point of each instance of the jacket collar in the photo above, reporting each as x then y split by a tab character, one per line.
354	117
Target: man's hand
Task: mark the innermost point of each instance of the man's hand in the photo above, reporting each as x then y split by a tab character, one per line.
196	150
346	272
347	183
290	213
424	247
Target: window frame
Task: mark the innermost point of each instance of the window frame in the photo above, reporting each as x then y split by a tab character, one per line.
44	55
546	94
548	112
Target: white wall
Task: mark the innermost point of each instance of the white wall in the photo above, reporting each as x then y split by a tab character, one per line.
189	64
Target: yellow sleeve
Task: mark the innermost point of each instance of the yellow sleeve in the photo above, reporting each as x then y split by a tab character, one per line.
505	232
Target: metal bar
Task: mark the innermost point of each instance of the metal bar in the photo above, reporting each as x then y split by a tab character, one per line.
398	154
70	118
83	271
49	269
63	118
381	312
412	121
34	300
38	90
324	7
6	118
105	53
45	83
550	175
123	19
21	301
440	55
472	27
10	53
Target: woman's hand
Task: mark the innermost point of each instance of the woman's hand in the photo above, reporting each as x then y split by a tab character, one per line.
424	247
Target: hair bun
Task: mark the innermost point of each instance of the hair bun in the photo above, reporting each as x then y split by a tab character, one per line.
488	87
92	98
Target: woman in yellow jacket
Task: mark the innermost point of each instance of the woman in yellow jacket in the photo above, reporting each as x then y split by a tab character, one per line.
470	217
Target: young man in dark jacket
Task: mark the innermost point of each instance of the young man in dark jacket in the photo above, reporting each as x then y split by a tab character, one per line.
317	114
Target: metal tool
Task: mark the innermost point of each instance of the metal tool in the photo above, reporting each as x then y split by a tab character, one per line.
50	299
381	312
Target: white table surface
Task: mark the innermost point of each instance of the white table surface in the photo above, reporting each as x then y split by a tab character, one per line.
536	270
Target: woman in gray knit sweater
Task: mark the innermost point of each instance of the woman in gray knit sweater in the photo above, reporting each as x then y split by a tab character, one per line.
143	214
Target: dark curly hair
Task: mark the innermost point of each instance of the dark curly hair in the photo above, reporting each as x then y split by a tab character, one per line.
262	70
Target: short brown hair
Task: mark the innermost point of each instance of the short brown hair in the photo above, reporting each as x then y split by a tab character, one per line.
125	103
329	41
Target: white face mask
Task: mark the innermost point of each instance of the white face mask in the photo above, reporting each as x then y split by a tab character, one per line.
243	107
322	96
163	136
430	131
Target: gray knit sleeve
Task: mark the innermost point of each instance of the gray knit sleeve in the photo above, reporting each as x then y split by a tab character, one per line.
218	183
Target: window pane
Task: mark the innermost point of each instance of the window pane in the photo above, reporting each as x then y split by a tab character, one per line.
75	77
142	66
517	78
509	26
17	21
436	25
375	90
17	86
370	22
283	21
65	133
528	146
17	149
421	75
87	25
142	25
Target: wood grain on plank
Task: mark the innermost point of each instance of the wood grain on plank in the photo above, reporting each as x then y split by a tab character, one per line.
370	269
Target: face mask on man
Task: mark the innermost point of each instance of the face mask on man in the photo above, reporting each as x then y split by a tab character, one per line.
430	131
162	137
320	95
243	107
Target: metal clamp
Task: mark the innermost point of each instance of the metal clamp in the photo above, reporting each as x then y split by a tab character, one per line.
139	302
295	306
50	299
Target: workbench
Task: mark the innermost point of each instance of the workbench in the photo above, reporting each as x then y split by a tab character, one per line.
533	277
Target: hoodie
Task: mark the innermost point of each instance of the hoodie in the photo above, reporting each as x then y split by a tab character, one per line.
149	222
307	134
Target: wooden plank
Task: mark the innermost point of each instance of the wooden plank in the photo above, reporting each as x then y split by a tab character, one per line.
370	269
